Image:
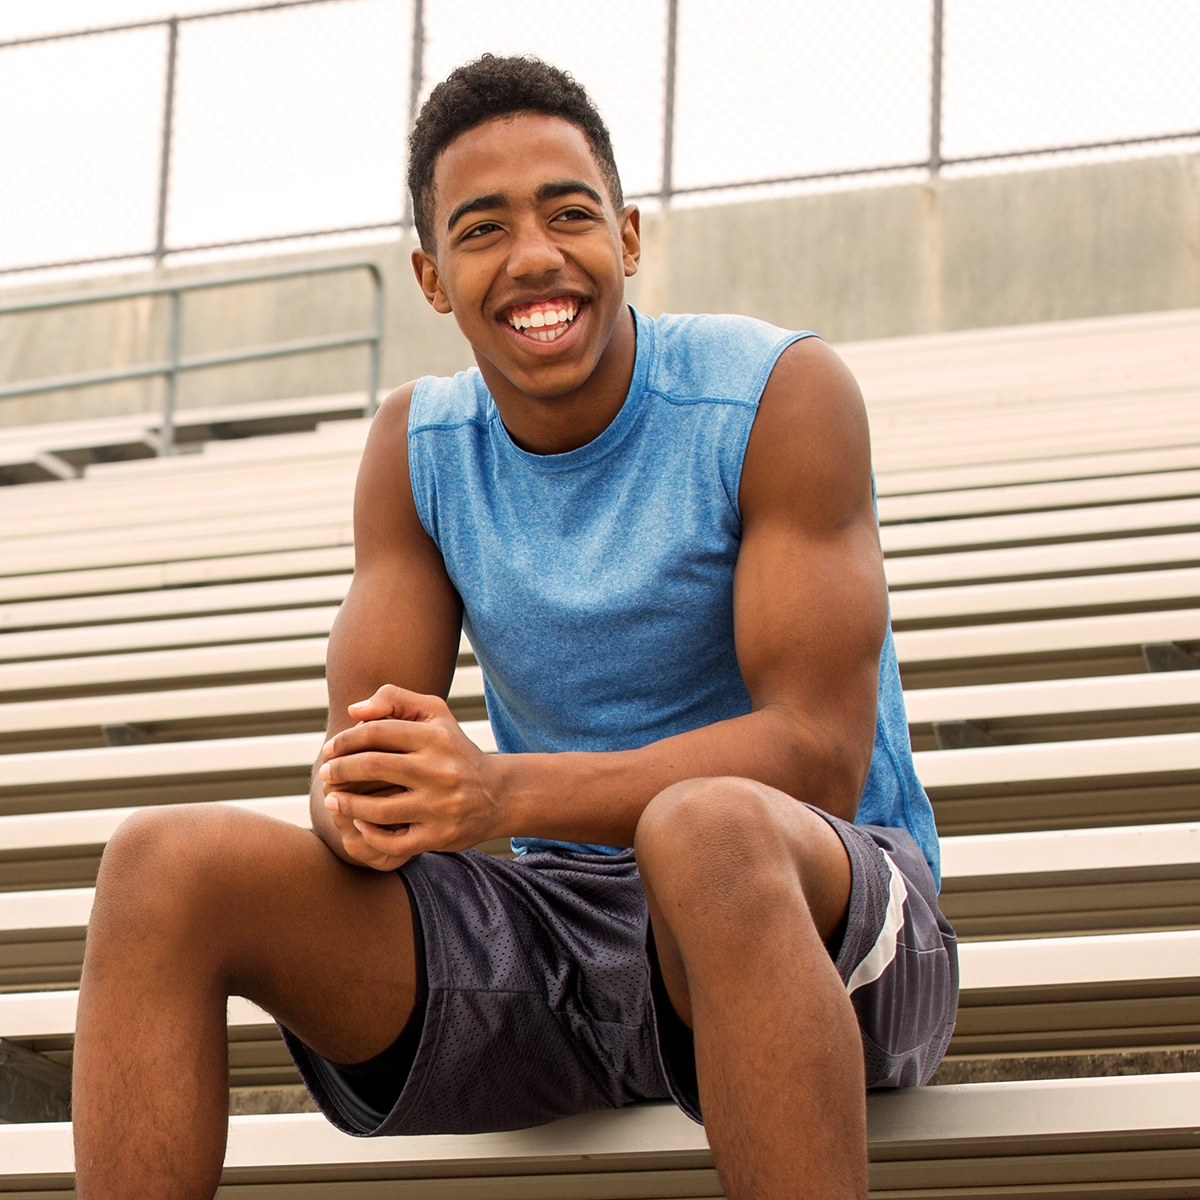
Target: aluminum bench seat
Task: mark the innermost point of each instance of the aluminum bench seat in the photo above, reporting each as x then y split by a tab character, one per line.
135	656
212	661
1029	361
322	517
178	495
1030	528
309	544
1031	599
1132	878
323	419
1030	996
98	611
233	710
60	450
212	650
1061	882
1039	496
970	604
328	549
173	772
1055	648
180	492
328	524
31	454
174	573
1123	1138
1124	419
1051	710
1063	785
939	439
1057	559
1045	710
62	849
1023	471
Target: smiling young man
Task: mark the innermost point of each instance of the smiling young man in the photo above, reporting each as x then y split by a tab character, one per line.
659	537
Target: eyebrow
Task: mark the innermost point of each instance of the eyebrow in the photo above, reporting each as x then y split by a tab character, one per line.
548	191
567	187
479	204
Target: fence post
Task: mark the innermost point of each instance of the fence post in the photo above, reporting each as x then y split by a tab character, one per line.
935	92
416	81
166	435
164	160
668	142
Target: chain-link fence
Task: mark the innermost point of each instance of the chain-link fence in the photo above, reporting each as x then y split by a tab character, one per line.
284	121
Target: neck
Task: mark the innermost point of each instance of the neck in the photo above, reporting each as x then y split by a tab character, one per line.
558	424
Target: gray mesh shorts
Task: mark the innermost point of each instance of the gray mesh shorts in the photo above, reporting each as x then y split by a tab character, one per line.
542	989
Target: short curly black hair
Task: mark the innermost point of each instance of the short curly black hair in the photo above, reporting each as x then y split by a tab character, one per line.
489	87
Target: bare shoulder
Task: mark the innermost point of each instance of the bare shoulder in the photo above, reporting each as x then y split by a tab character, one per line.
389	427
385	517
809	450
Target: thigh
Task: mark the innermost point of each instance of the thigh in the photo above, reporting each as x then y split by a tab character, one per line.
265	910
538	1002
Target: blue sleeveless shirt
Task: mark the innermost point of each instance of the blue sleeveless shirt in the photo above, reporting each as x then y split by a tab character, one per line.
597	585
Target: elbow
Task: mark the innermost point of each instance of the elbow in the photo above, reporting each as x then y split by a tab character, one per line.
827	767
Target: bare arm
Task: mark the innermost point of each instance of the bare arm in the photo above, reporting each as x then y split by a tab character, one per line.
401	618
810	615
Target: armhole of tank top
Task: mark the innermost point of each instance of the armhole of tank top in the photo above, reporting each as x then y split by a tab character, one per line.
734	495
417	482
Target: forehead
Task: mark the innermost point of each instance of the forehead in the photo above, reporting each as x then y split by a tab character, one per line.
513	155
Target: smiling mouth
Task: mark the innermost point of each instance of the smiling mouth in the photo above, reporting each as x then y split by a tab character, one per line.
545	321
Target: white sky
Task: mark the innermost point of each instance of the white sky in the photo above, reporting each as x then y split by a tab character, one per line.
295	120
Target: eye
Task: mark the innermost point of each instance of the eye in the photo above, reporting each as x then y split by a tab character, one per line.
575	214
480	230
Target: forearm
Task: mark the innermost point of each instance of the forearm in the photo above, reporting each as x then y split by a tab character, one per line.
599	797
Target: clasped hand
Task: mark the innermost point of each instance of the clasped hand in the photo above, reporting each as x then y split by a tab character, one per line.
406	779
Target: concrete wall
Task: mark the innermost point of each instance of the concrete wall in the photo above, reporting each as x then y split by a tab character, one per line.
1093	240
1003	249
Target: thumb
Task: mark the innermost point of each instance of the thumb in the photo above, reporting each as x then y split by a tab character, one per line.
397	704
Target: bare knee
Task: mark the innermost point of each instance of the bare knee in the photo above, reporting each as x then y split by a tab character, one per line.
171	874
714	838
733	848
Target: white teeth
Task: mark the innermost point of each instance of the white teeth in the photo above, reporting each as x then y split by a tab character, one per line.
547	324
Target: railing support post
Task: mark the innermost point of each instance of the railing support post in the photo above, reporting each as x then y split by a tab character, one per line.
668	142
164	157
166	435
416	81
935	91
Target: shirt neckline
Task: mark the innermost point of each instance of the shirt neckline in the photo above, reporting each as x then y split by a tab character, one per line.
616	430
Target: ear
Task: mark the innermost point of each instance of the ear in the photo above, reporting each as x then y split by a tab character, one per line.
631	238
425	268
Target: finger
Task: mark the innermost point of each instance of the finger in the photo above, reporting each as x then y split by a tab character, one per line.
403	843
371	766
398	703
393	810
362	853
388	733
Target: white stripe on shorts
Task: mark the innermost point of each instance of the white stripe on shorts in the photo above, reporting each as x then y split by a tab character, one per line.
880	956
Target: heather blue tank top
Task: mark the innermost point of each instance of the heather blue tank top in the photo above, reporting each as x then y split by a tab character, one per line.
597	585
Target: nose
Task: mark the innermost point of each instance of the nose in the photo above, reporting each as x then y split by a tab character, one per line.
533	251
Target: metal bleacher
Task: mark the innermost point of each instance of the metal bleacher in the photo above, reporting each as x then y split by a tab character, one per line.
162	630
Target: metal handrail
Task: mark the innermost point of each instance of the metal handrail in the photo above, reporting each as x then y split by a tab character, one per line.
174	365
